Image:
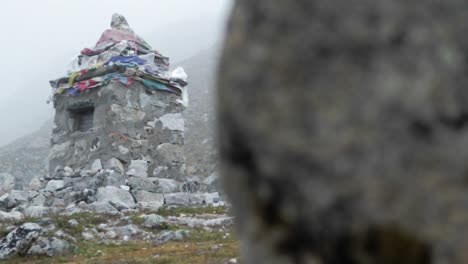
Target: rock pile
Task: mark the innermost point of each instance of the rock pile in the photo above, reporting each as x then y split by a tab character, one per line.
105	191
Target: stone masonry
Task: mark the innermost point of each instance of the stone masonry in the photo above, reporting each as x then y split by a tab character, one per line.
134	131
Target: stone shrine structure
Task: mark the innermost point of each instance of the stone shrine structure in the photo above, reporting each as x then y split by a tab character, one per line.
127	129
119	109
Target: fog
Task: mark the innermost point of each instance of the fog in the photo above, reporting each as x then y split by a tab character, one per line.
40	37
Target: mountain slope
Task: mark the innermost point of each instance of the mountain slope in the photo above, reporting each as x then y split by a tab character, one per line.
200	115
26	157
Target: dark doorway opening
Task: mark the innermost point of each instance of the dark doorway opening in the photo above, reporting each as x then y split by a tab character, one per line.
84	119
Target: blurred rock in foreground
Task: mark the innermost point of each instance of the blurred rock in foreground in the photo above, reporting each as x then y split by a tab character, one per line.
343	130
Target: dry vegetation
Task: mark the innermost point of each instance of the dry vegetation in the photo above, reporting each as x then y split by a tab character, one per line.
203	246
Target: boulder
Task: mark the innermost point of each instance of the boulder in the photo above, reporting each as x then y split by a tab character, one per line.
138	168
19	240
212	198
62	192
49	246
109	178
144	184
11	216
114	194
13	199
81	183
44	199
35	184
114	164
178	235
55	185
75	197
96	166
101	207
168	186
148	197
184	199
153	220
127	231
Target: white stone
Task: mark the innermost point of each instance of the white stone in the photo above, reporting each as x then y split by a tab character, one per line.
46	246
173	122
96	166
125	187
87	236
35	184
212	198
151	124
39	200
14	199
114	194
152	220
149	197
123	150
208	220
110	234
138	168
114	164
184	199
19	240
168	185
68	169
11	216
55	185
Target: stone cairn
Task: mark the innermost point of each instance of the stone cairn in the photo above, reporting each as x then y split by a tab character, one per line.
117	143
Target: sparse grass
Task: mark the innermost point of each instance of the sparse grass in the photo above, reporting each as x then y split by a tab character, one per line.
3	231
136	218
197	248
85	219
187	210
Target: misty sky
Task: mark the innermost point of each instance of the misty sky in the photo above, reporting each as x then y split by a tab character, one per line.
40	37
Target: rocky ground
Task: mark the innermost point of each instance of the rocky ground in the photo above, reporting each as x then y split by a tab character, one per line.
111	215
104	216
169	235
